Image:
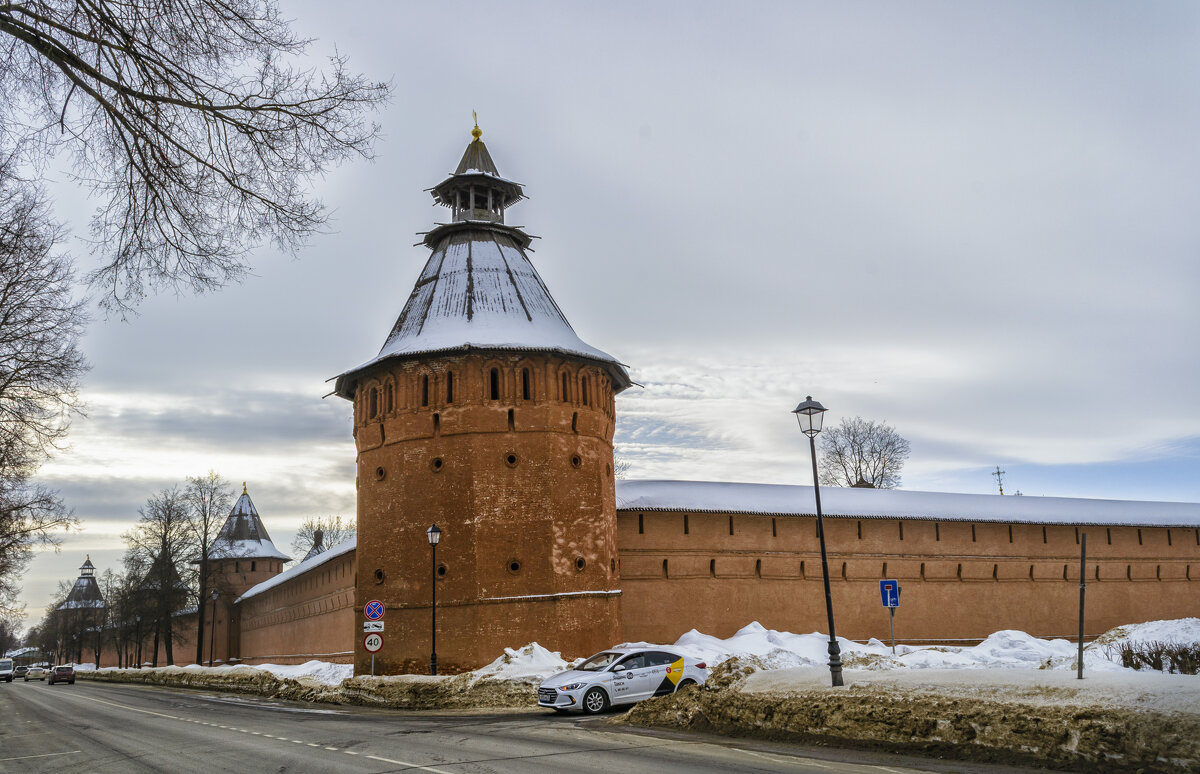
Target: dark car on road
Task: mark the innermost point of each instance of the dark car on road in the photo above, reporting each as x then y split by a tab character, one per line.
61	674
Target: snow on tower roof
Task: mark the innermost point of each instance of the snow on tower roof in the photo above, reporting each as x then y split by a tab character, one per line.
479	291
846	502
243	535
85	594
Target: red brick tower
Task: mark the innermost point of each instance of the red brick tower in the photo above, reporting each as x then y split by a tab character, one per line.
485	414
242	556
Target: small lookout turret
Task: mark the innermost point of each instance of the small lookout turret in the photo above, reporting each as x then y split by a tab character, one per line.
476	191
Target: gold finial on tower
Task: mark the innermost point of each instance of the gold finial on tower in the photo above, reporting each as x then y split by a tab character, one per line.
244	488
476	132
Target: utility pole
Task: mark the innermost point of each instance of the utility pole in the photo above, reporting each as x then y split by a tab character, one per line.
999	474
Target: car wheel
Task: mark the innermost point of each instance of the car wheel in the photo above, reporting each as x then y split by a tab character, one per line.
684	684
595	701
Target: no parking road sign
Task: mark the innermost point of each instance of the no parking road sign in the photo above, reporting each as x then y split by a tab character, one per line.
373	642
889	591
373	610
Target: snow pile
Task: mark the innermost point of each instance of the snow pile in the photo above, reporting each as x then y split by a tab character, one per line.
1007	649
317	671
530	663
320	672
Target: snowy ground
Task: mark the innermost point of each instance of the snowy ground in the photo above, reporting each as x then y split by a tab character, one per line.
772	649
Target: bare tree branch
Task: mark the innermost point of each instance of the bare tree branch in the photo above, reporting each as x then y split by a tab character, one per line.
189	123
40	369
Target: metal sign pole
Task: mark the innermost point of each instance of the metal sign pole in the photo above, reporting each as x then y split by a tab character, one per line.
892	623
1082	589
372	665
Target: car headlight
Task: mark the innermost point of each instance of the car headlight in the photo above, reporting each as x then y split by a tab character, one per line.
570	687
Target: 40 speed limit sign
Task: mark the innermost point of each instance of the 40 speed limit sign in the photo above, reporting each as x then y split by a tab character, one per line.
373	642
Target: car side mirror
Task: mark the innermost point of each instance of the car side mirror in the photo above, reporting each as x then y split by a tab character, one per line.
620	668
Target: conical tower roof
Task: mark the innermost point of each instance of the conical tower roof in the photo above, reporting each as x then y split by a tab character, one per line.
85	594
243	535
477	159
479	290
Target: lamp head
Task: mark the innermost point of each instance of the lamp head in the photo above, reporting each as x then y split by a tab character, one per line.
809	415
434	534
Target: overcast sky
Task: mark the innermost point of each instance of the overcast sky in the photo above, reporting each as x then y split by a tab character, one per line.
975	221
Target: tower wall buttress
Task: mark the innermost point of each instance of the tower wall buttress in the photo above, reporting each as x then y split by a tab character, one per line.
519	477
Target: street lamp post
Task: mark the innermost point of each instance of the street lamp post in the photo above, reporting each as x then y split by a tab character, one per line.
212	632
138	620
809	414
434	534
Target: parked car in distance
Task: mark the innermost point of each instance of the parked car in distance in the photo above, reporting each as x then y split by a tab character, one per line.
61	674
6	670
35	673
20	672
620	676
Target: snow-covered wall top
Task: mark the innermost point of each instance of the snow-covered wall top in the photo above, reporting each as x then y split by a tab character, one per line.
328	554
786	500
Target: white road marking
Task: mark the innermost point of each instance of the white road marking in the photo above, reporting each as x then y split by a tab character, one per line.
417	766
43	755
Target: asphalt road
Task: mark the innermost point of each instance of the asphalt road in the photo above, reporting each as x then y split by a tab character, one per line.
102	727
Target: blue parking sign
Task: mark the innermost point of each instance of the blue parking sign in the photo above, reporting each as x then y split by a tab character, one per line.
889	591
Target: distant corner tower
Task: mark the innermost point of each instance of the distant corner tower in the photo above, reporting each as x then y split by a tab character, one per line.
486	414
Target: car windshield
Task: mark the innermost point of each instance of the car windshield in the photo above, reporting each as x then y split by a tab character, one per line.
598	662
62	669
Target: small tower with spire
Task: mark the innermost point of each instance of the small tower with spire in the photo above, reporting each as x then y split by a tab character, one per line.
485	413
243	554
84	607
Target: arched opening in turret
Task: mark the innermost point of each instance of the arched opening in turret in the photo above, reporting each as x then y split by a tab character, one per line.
449	387
494	384
525	386
425	390
372	403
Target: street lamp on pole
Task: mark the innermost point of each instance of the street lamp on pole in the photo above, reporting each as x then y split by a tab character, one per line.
809	414
434	534
138	620
212	632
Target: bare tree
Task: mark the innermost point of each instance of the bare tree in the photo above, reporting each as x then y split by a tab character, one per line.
334	530
40	369
861	452
10	634
159	549
188	120
207	498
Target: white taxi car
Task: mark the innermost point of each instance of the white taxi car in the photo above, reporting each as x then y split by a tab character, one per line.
620	676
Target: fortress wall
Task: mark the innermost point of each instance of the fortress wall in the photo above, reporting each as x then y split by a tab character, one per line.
307	617
960	581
